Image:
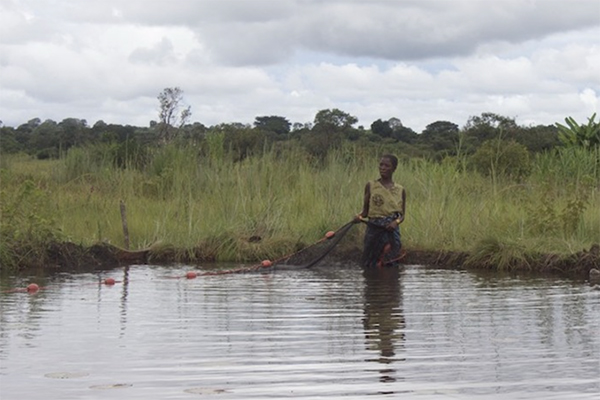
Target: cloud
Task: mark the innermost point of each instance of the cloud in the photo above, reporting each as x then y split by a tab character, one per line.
419	61
160	54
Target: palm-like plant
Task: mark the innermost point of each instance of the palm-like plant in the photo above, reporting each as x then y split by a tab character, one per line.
573	134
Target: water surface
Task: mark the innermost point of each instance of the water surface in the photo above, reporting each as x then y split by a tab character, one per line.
324	333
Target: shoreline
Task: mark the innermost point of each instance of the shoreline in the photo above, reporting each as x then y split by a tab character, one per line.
67	256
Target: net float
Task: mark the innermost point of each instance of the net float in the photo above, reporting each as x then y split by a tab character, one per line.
330	234
191	275
33	287
109	281
266	263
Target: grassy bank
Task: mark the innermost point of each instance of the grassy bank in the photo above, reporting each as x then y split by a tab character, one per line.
210	207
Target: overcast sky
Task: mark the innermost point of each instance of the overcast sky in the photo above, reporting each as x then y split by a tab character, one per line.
420	61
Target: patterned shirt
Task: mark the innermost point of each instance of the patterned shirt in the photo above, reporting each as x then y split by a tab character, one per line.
383	201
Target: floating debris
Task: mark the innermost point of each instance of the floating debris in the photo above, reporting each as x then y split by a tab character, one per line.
113	386
204	391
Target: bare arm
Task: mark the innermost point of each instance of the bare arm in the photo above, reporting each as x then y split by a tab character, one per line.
365	209
403	205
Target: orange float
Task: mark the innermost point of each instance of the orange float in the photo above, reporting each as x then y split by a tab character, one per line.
191	275
33	287
266	263
109	281
330	234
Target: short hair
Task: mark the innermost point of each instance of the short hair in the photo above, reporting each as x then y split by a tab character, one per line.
393	159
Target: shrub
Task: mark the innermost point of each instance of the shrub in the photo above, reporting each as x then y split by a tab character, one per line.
497	157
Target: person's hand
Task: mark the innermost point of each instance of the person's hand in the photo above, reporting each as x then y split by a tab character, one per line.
395	223
357	218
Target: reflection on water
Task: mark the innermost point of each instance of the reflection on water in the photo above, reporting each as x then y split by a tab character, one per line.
124	294
328	332
383	321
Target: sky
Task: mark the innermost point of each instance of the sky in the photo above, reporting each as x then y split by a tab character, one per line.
421	61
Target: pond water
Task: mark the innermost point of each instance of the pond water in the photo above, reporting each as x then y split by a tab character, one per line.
324	333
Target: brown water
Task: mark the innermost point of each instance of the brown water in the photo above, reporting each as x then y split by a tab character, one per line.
325	333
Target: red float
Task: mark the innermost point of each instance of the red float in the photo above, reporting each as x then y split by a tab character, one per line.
33	287
109	281
191	275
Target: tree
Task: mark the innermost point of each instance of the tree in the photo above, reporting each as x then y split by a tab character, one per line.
241	139
395	123
538	138
73	132
381	128
45	140
8	143
170	117
334	120
404	134
441	136
278	125
489	126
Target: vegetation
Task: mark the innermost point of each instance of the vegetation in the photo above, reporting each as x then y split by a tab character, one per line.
501	193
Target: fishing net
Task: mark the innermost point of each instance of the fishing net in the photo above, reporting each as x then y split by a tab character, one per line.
304	258
313	254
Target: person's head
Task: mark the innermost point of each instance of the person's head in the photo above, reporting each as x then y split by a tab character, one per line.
388	164
392	159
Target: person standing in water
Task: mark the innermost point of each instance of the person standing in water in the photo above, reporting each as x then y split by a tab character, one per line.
384	207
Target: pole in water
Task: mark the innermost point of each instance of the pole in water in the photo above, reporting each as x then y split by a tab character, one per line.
124	222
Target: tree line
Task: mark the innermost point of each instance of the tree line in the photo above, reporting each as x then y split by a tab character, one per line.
47	139
330	128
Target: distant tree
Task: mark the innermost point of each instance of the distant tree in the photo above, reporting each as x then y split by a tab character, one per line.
194	132
278	125
404	134
538	138
45	140
393	129
109	133
441	136
333	120
298	127
382	128
331	127
395	123
8	143
30	125
241	139
170	117
73	132
488	126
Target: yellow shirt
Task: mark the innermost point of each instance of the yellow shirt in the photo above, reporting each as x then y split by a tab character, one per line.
383	201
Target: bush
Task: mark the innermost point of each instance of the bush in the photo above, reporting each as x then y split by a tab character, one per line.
27	226
497	157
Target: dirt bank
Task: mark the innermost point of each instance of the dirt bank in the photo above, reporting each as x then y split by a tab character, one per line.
72	257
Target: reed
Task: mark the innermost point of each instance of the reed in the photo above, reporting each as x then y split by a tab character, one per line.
275	202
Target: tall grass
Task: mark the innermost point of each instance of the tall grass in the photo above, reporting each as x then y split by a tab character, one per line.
187	200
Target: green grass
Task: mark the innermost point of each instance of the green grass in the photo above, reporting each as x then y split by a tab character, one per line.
183	200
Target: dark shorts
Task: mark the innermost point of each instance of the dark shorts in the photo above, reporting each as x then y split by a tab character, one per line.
381	247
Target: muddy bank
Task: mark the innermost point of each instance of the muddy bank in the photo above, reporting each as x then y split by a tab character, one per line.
72	257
